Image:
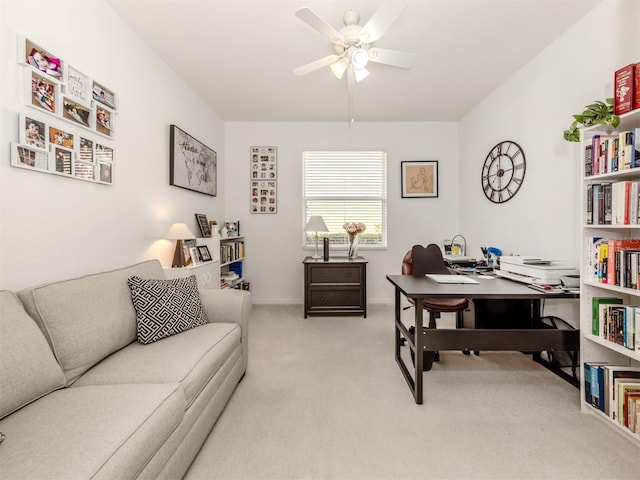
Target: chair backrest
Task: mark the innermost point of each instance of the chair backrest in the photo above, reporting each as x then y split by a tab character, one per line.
422	260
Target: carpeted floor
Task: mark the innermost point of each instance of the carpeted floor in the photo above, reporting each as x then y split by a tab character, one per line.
324	399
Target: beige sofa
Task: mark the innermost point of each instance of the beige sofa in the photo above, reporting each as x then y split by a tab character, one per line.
81	398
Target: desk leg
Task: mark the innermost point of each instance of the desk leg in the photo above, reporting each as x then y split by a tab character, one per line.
419	337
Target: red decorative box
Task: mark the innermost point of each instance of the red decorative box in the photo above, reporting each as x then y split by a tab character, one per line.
623	94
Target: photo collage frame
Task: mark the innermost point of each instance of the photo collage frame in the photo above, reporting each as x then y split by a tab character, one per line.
263	168
69	128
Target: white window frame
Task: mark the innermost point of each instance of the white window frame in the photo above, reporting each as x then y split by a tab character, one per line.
373	165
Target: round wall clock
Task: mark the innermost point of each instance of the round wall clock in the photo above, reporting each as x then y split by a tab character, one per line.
503	171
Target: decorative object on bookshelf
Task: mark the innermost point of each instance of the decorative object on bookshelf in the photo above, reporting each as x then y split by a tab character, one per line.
215	228
179	232
597	113
503	171
625	95
264	179
192	164
204	252
353	229
316	224
203	223
233	228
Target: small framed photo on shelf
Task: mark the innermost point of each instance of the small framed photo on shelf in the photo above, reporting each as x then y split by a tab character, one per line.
43	61
420	179
203	223
63	159
78	86
195	255
205	255
76	113
104	96
233	228
33	132
43	93
104	121
60	137
25	156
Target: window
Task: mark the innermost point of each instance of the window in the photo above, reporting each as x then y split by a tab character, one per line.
346	186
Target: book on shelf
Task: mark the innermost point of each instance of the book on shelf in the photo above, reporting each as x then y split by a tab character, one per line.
593	387
588	160
611	375
616	323
596	302
622	387
623	81
627	396
633	413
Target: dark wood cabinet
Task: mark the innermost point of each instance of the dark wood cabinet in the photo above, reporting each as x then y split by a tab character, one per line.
335	287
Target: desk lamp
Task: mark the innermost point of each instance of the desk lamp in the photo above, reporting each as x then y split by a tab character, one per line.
178	232
316	224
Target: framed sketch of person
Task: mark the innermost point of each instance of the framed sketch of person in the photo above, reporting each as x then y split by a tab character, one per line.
420	179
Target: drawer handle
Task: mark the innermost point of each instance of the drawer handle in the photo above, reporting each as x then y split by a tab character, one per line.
321	275
322	299
348	275
348	298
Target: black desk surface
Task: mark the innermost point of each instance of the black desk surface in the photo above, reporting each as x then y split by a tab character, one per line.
497	287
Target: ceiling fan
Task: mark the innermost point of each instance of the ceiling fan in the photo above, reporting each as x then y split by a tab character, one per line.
353	44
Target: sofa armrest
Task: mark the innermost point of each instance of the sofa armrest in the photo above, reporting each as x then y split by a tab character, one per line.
229	306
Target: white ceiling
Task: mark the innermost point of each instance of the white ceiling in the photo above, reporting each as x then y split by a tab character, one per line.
239	55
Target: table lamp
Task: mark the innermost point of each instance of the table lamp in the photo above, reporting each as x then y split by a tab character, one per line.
178	232
316	224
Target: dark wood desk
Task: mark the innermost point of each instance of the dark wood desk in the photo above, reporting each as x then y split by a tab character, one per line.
535	339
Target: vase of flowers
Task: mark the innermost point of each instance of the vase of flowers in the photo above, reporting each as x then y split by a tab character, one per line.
353	229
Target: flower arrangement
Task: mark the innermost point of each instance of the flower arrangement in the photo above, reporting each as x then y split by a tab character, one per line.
353	229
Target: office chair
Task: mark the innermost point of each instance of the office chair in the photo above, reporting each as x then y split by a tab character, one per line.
428	260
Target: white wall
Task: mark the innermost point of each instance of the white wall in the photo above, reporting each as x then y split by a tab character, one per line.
533	108
53	227
274	242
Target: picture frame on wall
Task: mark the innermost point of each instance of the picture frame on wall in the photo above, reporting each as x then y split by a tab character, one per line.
203	223
33	132
62	159
103	153
106	172
85	150
104	96
263	168
78	86
40	59
76	113
104	121
25	156
43	93
60	137
84	171
419	179
193	165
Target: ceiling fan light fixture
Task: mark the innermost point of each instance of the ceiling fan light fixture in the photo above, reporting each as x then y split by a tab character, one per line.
338	68
360	58
360	74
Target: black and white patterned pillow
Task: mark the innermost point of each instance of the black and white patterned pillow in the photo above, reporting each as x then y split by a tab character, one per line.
166	307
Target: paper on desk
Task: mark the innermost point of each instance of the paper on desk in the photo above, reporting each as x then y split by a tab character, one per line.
451	278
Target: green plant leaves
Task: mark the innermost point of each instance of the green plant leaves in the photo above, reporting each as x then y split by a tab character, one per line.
597	113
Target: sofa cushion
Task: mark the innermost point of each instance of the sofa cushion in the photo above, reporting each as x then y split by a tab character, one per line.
90	432
28	369
165	307
191	358
88	318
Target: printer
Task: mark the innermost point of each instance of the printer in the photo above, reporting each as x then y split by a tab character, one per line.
528	269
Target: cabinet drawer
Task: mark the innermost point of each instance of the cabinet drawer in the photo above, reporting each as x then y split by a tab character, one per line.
335	298
342	274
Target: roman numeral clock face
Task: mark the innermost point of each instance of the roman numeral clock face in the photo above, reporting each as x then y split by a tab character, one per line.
503	171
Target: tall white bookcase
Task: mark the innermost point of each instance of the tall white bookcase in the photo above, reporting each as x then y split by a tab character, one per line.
592	347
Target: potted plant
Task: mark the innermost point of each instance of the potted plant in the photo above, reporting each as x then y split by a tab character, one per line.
597	113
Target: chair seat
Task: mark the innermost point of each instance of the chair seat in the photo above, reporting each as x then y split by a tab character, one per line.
444	304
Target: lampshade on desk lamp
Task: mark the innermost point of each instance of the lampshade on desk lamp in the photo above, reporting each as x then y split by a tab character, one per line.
178	232
316	224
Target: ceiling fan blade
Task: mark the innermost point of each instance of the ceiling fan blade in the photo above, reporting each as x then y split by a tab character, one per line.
392	57
318	64
310	18
380	22
351	82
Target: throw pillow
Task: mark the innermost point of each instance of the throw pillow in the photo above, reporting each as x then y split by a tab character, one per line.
165	307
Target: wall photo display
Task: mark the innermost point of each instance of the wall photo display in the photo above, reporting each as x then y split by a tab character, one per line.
263	171
64	94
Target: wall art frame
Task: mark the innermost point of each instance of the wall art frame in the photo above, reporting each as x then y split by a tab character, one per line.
419	179
192	165
263	172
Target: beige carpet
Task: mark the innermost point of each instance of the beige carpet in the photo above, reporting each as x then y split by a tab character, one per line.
324	399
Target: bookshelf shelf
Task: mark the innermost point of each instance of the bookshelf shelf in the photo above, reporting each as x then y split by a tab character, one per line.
597	148
232	262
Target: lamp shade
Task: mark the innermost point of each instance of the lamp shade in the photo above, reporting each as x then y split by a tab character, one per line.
179	231
316	224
